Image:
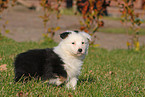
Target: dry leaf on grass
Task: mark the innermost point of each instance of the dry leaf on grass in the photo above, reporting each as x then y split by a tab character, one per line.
110	72
70	95
3	67
22	94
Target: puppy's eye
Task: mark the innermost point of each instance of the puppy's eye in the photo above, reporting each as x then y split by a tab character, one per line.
83	42
73	43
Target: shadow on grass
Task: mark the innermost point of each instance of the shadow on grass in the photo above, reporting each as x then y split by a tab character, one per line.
31	80
89	79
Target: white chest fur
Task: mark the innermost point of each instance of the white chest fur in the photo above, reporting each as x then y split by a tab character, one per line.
72	66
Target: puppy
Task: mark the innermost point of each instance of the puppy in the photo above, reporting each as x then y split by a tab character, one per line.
61	64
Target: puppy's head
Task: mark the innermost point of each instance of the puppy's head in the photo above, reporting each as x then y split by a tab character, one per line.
75	43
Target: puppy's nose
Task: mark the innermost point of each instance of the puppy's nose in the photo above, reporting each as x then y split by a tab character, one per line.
80	50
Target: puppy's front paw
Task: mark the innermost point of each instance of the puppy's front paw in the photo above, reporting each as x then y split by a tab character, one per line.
69	86
72	83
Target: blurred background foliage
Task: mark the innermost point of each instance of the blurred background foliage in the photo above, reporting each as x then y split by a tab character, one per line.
92	12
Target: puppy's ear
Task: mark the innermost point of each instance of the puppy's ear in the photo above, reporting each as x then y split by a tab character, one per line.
64	34
76	31
86	35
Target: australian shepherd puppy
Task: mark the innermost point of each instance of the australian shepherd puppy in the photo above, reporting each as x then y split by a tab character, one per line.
61	64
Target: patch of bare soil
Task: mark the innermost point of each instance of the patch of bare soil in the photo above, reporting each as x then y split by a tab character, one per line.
25	25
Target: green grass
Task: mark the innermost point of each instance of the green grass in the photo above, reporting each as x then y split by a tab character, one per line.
120	31
116	18
68	11
104	73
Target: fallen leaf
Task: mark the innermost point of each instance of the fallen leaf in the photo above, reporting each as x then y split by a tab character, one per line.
129	84
3	67
22	94
90	71
110	72
70	95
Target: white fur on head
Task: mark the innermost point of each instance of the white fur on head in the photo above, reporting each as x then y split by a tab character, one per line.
86	35
74	41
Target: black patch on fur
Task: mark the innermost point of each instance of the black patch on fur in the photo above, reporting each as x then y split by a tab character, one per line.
64	35
38	63
76	31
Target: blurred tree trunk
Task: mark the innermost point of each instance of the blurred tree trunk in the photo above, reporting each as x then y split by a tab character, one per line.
69	3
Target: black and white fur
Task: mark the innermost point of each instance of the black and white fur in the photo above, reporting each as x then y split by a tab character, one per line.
61	64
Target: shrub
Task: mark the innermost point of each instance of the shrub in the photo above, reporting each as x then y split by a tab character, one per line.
92	11
129	16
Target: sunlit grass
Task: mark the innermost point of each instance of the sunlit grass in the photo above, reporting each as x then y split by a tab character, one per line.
121	31
69	11
104	73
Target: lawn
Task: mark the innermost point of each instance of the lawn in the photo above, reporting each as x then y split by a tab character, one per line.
104	73
120	31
